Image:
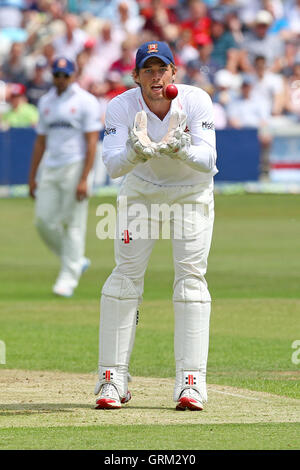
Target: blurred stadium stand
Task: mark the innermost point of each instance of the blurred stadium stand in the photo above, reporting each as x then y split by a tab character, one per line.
246	55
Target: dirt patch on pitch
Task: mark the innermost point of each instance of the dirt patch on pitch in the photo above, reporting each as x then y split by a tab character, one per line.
33	398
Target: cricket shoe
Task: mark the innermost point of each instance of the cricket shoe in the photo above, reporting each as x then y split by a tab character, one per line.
110	399
62	289
189	399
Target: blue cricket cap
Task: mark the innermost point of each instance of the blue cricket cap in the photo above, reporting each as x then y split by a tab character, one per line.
63	65
157	49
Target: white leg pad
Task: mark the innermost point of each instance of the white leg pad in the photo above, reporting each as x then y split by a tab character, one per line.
191	341
119	303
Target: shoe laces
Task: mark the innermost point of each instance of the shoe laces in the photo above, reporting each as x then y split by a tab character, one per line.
192	393
109	390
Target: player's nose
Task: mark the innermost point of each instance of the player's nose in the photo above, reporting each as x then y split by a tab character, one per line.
156	75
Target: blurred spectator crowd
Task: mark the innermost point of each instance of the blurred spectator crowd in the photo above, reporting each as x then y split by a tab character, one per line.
245	54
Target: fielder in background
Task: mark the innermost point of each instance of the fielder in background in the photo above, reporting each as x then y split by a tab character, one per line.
68	132
166	149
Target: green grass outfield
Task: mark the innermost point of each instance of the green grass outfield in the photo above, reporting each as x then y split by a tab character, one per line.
254	280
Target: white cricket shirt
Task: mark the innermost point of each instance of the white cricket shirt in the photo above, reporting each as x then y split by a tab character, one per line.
64	119
199	167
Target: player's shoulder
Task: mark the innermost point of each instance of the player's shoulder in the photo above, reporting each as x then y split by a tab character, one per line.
126	97
122	102
47	97
189	93
194	99
84	95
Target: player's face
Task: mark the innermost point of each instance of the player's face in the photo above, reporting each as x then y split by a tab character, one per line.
61	81
153	77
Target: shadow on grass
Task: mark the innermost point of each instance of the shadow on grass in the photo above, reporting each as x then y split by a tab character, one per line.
39	407
28	408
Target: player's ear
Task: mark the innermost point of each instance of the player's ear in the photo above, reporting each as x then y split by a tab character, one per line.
174	70
135	76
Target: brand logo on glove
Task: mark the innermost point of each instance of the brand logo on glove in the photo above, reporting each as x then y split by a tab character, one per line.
208	126
110	130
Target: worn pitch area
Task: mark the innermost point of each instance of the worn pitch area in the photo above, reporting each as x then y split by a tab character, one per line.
39	398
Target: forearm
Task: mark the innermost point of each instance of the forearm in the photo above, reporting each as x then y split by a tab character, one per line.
92	139
122	151
37	154
201	157
117	162
88	161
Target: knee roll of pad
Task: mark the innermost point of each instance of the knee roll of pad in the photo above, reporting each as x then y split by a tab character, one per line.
191	289
120	287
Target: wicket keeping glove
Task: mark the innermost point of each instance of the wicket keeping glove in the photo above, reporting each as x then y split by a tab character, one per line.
176	142
141	146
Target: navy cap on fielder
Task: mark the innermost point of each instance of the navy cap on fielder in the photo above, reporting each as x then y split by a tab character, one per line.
63	65
157	49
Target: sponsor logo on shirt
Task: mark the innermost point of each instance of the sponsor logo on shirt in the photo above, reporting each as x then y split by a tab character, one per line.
208	126
60	125
110	130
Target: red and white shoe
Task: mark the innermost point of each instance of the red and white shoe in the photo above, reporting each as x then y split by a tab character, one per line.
63	289
127	398
110	399
189	399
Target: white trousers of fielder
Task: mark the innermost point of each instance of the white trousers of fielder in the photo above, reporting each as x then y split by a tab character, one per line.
61	219
123	290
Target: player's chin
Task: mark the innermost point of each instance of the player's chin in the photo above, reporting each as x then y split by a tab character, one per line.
157	96
156	93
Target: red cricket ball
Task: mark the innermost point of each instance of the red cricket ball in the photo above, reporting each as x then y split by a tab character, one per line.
170	91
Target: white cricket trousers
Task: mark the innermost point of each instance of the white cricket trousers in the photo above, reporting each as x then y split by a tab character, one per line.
191	215
61	219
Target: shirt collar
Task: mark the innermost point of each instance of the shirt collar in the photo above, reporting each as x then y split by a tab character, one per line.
70	90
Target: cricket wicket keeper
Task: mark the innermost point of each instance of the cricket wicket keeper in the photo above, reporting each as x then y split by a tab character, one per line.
166	150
